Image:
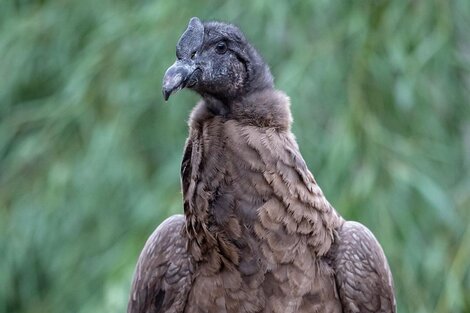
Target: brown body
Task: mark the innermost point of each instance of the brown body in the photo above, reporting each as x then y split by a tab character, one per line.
258	234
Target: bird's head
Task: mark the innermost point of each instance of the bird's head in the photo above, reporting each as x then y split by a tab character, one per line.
215	60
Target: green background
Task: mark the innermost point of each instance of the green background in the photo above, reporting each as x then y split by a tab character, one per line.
90	153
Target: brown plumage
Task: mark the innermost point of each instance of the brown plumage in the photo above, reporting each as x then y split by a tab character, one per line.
257	234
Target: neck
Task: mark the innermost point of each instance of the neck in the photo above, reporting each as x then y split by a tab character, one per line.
259	81
236	164
263	107
217	105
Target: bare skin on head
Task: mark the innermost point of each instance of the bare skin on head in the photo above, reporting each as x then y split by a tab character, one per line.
257	234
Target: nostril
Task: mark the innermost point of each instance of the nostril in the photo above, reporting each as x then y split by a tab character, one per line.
193	79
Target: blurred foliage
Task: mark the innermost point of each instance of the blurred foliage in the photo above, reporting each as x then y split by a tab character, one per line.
89	153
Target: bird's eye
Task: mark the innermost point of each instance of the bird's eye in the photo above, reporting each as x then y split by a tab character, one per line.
193	54
221	47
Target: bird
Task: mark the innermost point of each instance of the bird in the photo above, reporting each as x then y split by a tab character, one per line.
257	233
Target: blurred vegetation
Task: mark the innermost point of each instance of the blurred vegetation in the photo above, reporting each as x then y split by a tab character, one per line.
89	153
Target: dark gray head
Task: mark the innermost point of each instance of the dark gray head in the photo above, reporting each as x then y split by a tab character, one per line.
215	60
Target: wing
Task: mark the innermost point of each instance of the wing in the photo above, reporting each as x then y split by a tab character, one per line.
162	278
363	277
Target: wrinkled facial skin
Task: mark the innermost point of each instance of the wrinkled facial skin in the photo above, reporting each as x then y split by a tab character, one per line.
221	74
215	60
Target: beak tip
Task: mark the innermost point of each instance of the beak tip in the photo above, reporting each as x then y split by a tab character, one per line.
166	94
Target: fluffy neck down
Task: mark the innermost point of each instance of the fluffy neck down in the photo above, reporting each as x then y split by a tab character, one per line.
249	198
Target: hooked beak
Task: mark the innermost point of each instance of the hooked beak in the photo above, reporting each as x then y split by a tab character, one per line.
176	77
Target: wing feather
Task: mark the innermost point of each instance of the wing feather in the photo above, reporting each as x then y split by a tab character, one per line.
163	275
363	277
